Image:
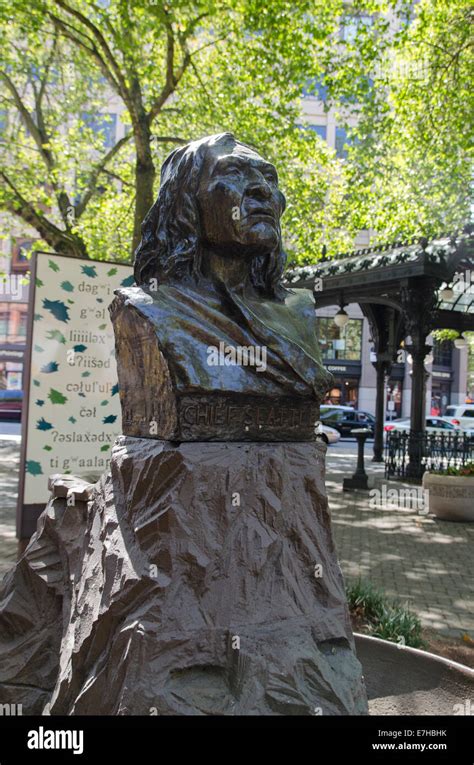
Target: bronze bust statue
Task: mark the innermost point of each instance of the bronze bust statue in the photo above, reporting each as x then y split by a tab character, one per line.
199	563
210	345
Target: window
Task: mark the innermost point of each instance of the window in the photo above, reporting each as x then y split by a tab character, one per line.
342	142
22	325
331	415
103	124
321	130
468	413
21	248
336	343
442	352
315	89
353	25
439	424
3	325
13	322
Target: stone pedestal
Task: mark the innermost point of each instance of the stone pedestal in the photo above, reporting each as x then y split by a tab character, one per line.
198	578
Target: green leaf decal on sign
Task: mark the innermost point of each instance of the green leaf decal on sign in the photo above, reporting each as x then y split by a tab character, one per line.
56	397
33	467
55	334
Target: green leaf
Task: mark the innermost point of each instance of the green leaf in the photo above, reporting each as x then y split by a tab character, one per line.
56	397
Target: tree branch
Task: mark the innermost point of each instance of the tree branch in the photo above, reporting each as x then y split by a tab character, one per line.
210	44
95	173
102	43
60	241
117	178
172	80
91	49
169	139
47	67
28	121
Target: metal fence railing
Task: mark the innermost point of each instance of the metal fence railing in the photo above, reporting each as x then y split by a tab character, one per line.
409	454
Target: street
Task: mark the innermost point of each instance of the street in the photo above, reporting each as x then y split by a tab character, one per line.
8	429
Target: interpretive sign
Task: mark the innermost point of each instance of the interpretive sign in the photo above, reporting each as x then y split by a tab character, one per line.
72	413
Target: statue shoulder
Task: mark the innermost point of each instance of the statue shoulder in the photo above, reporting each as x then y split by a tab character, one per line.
301	301
135	296
154	305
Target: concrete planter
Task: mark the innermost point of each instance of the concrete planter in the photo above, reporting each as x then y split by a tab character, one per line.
407	681
451	497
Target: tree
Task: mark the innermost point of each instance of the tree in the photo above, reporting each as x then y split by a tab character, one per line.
179	71
411	158
52	162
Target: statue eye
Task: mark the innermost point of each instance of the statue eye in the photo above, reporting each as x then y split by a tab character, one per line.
231	170
270	176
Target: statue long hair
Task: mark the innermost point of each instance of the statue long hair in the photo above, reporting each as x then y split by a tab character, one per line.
171	232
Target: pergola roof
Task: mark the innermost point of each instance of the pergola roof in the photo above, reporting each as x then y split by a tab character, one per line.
375	274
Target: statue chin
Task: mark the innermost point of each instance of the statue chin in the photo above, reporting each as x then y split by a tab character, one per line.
262	240
262	231
246	250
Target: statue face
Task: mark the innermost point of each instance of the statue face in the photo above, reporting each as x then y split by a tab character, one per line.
240	203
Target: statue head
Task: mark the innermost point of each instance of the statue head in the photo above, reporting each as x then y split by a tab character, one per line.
217	195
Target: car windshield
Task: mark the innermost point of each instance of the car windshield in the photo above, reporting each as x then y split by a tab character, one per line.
331	415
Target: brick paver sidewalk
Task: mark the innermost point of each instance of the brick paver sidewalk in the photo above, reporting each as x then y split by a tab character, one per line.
427	563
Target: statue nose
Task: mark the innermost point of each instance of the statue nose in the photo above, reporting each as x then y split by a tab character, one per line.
259	189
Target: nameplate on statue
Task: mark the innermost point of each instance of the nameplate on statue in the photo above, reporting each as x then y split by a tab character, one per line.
218	418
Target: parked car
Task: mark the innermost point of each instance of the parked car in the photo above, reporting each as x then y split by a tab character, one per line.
345	419
433	425
328	435
11	404
462	414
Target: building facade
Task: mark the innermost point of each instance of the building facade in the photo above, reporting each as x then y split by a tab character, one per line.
14	287
348	354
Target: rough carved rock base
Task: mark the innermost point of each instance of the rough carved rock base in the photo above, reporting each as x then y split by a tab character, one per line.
198	578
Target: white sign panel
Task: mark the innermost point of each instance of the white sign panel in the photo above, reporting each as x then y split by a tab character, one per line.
73	403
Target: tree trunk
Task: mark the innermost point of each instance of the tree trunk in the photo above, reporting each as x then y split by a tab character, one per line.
144	178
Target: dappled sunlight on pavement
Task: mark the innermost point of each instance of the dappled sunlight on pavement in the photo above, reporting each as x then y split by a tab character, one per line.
424	562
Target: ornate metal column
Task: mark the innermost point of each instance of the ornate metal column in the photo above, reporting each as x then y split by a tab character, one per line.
384	324
383	366
419	301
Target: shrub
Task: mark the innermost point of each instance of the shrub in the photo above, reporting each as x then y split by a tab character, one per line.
386	619
467	469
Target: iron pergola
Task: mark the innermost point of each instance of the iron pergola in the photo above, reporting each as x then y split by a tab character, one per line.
398	288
